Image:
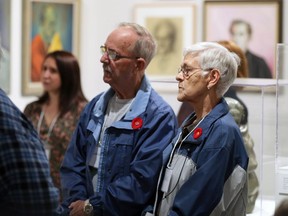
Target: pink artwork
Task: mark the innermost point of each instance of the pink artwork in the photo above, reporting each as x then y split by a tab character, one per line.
263	18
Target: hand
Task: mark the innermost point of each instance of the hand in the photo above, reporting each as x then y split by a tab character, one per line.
76	208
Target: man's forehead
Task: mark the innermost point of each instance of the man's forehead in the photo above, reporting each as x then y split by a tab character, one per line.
121	39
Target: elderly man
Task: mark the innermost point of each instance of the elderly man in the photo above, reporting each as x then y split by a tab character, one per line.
113	162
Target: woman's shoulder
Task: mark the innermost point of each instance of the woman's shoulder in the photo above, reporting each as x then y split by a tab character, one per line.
32	107
78	107
83	103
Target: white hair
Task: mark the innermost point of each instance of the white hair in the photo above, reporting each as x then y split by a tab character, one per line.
212	55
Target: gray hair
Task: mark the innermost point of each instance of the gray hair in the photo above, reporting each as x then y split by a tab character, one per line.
212	55
145	46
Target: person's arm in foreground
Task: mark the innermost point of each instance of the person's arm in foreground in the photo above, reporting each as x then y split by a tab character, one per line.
26	187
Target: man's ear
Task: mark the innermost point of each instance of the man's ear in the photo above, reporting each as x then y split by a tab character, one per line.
140	64
214	77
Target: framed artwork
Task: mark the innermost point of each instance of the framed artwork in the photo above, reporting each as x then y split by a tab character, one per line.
254	25
173	25
5	26
48	25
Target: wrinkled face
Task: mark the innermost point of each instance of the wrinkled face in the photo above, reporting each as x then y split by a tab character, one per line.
50	76
240	35
193	85
120	71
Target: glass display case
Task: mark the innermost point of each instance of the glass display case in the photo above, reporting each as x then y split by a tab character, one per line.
259	96
281	155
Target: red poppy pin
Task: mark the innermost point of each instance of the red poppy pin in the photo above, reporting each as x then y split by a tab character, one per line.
197	133
137	123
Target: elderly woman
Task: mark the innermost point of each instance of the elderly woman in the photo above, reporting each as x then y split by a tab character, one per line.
205	173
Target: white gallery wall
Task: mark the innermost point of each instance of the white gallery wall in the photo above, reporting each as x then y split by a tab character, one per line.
97	19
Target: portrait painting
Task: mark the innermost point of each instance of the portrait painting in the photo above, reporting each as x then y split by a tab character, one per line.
168	33
172	25
50	26
5	23
255	26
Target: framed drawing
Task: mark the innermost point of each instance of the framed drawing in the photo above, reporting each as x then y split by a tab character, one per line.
255	25
5	26
48	25
173	25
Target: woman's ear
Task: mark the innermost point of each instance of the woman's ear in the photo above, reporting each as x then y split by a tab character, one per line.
214	77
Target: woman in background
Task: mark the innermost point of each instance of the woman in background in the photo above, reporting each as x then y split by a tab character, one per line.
56	112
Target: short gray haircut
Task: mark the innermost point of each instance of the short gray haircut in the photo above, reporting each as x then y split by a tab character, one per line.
212	55
145	46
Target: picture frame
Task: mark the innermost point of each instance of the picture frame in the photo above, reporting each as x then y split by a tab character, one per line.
221	17
5	56
48	25
173	26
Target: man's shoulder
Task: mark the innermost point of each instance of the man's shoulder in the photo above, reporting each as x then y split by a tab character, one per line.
158	102
89	106
6	105
157	98
94	100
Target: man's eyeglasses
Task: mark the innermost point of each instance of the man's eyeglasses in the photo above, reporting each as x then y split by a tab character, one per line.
187	72
113	55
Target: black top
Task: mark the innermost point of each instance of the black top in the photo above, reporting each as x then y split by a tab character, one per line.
258	68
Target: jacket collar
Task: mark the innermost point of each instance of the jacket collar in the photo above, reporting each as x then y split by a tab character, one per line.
138	106
217	112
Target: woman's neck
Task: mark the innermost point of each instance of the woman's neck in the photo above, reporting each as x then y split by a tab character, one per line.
51	108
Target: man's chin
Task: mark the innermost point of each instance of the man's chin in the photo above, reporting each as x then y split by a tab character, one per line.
179	98
106	79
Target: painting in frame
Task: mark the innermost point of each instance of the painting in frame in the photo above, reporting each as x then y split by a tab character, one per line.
173	25
48	25
231	20
5	27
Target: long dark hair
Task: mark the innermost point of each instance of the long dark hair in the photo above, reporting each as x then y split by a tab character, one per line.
70	90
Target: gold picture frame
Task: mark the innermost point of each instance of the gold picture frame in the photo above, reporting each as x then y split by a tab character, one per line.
48	25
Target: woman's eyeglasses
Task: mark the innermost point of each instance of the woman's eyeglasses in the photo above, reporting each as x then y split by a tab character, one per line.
187	72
